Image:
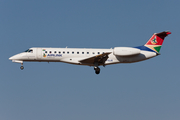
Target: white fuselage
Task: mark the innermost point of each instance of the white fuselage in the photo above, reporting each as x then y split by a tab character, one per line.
75	55
94	57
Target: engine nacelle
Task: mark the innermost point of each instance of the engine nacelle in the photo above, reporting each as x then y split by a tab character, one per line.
126	51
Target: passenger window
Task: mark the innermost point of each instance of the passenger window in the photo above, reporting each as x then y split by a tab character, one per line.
77	52
49	51
93	53
45	51
72	52
54	51
87	52
63	52
59	52
98	52
82	52
67	52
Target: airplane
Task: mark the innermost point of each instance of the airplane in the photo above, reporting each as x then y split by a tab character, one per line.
94	57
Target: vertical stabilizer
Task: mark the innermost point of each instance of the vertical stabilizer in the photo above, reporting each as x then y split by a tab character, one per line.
156	41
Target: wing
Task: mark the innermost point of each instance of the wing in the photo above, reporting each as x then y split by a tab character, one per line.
99	59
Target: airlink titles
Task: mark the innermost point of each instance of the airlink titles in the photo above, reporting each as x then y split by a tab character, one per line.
54	55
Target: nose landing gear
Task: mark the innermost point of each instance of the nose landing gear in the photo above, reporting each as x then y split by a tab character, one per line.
21	66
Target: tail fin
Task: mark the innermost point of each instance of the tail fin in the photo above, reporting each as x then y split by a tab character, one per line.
156	41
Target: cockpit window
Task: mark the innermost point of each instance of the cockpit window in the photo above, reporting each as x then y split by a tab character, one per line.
29	50
26	50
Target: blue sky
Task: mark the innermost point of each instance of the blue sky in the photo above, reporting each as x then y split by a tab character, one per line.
147	90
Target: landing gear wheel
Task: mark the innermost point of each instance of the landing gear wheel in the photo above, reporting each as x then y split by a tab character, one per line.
21	67
97	70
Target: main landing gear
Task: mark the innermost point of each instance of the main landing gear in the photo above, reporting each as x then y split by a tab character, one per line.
97	70
21	66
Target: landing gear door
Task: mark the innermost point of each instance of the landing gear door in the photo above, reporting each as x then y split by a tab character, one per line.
39	53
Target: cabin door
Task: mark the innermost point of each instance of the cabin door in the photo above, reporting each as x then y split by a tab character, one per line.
38	53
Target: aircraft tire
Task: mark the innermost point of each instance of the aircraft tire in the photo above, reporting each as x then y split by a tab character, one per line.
97	72
21	67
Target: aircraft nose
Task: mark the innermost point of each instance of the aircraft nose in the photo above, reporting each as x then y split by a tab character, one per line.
15	57
11	58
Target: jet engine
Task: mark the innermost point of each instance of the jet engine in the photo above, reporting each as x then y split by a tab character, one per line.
126	51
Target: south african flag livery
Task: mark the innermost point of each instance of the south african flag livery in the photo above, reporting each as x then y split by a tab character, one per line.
156	41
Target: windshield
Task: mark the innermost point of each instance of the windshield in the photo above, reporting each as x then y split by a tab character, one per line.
26	50
29	50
